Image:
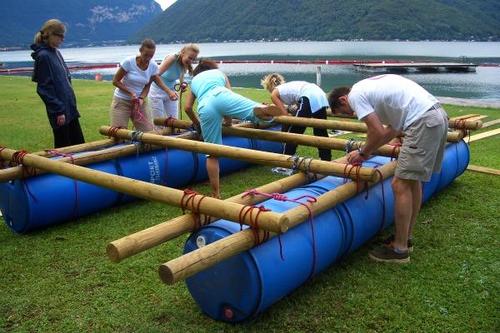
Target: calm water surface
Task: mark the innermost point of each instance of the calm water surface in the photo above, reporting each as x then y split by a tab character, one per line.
484	84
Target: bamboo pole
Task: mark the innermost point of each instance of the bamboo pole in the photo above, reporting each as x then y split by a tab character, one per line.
491	123
356	126
351	126
83	159
466	116
484	135
252	156
207	205
300	139
468	124
193	262
482	169
145	239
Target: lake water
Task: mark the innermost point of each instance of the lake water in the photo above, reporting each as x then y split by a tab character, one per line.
484	84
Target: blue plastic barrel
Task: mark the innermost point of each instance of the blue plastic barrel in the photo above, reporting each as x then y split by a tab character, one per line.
50	199
245	285
455	161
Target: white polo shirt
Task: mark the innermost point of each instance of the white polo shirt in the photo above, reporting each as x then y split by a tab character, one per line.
397	101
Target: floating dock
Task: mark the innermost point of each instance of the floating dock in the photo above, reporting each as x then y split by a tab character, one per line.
424	67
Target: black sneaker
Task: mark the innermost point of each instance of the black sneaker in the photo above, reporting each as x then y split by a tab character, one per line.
387	254
389	240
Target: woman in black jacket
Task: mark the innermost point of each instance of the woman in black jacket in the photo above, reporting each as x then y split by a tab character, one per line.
54	84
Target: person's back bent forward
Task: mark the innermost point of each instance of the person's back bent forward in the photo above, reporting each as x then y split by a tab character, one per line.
218	103
403	106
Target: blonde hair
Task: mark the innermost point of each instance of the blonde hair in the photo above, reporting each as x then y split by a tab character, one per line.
271	81
52	26
186	48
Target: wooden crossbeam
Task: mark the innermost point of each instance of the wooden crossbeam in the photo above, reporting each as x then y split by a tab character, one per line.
481	169
491	123
484	135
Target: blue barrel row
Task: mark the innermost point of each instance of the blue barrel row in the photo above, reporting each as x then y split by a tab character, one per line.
50	199
247	284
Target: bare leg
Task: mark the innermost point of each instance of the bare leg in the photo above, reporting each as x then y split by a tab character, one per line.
417	202
213	175
266	112
403	211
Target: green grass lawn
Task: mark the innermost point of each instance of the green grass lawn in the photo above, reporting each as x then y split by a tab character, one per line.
60	280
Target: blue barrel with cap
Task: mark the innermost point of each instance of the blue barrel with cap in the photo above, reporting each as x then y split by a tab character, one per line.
245	285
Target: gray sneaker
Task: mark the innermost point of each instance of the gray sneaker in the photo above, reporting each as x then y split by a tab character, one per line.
387	254
389	240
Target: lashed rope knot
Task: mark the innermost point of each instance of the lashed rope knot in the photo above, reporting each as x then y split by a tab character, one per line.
113	130
169	122
302	164
350	145
253	222
396	146
136	139
188	203
18	158
283	198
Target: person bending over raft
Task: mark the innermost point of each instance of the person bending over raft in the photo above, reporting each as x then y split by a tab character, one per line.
218	103
312	102
165	103
132	81
402	105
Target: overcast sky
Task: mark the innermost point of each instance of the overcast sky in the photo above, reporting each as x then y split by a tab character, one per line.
165	3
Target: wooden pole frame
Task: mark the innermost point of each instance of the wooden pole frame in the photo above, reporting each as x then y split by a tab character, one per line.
145	239
268	220
299	139
249	155
84	158
200	259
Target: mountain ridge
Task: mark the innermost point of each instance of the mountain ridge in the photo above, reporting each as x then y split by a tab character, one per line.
219	20
87	22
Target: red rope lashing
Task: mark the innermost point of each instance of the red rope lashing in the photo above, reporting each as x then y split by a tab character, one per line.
137	112
169	122
395	147
253	222
189	199
282	197
55	152
18	158
460	125
113	131
348	169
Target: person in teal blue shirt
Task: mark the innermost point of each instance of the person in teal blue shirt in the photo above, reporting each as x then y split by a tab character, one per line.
172	70
217	103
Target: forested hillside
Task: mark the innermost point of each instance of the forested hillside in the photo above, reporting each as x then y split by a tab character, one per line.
220	20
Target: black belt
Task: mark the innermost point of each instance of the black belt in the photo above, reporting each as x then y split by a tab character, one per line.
435	107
